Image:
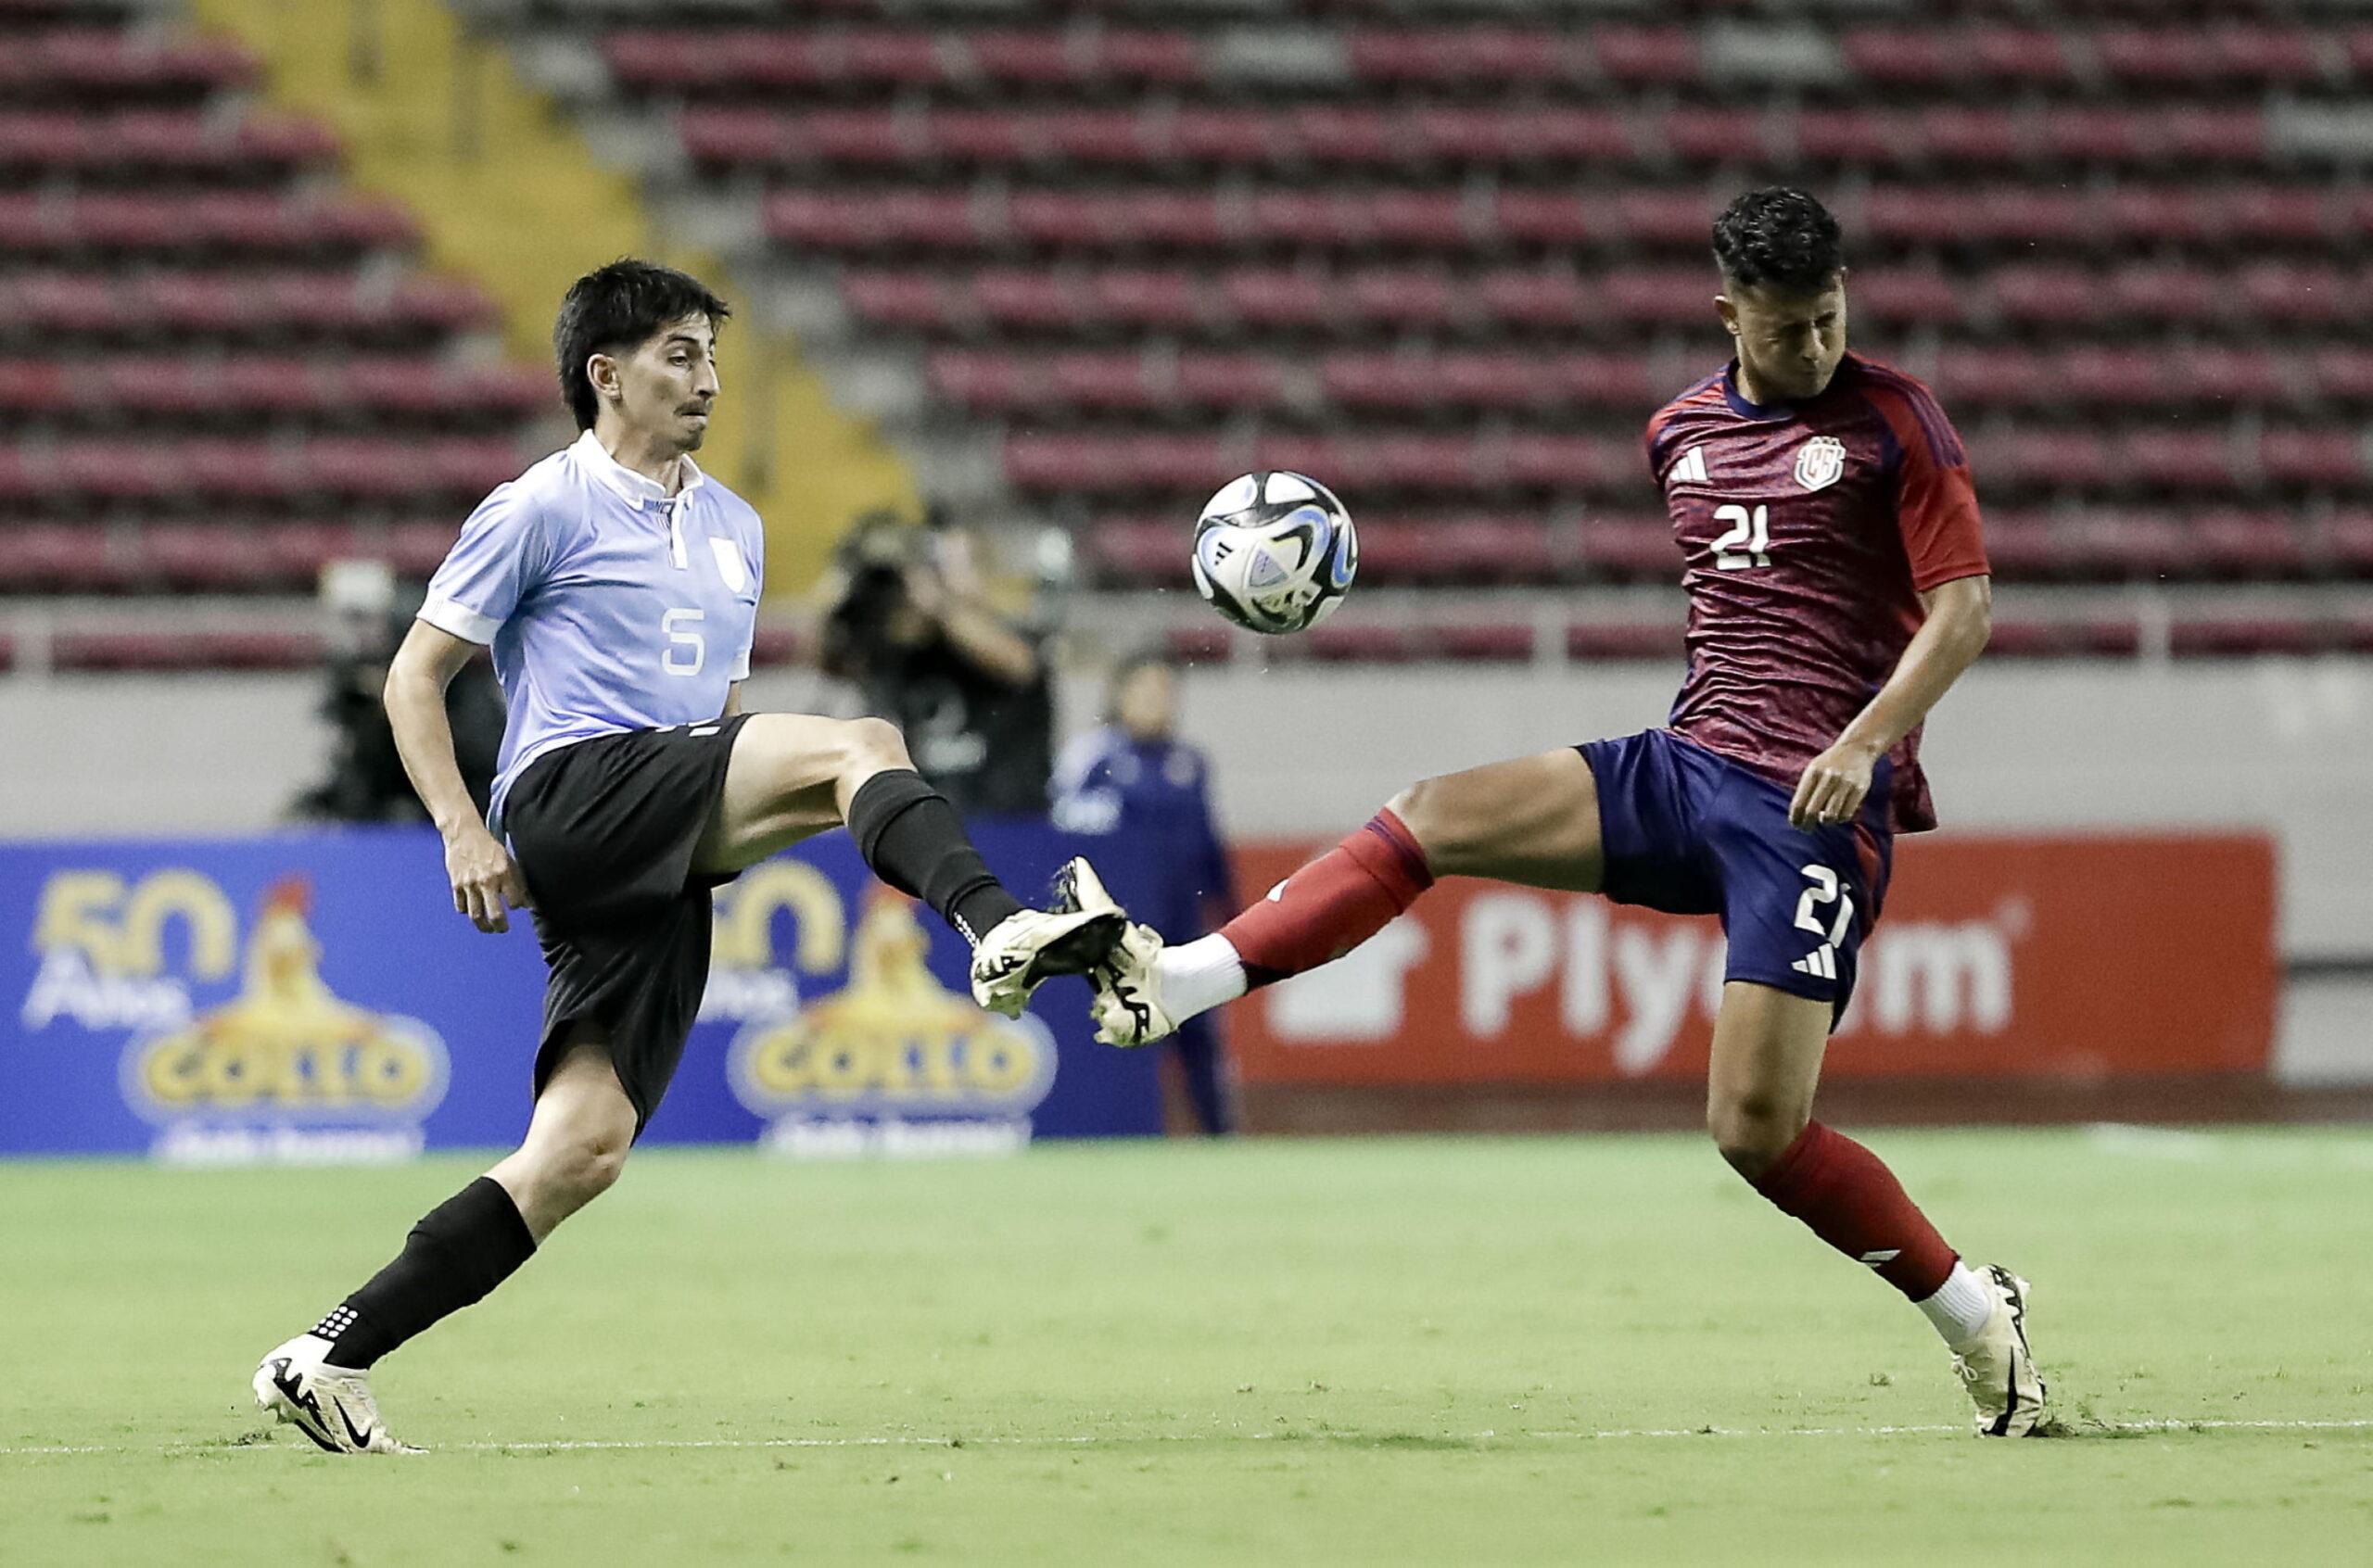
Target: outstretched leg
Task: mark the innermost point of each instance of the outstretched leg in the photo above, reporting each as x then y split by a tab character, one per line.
1768	1049
1531	820
793	776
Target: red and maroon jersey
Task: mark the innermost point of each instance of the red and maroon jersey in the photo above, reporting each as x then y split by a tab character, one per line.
1807	531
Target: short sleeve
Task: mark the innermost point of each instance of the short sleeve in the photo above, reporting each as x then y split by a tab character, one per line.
503	553
1935	499
1652	445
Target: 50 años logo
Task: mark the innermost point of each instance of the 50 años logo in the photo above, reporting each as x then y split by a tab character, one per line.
284	1049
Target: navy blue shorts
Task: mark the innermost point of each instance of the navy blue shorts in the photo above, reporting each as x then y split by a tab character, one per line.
1690	832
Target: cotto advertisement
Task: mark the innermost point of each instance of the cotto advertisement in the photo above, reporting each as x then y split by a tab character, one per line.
312	997
2075	957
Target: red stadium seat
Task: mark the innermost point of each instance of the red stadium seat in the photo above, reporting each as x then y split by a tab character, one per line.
1225	381
1100	381
1402	297
1902	57
1462	55
1551	296
79	64
1648	55
1150	299
1278	297
1629	549
57	557
117	650
1034	298
1909	295
1616	640
2342	374
2184	57
2299	292
2334	457
2178	459
2203	636
2250	545
1137	553
2048	293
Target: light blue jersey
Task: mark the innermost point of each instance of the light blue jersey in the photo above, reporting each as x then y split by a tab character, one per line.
610	605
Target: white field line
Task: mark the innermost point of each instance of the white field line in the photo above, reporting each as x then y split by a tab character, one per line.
1347	1439
2189	1147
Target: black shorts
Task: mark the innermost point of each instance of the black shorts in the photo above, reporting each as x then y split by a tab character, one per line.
604	831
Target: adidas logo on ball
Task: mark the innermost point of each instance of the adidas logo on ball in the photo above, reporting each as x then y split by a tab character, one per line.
1275	552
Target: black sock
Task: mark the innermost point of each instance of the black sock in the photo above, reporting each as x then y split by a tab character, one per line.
460	1249
911	837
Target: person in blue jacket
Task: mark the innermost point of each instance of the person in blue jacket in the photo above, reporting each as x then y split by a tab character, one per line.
1132	775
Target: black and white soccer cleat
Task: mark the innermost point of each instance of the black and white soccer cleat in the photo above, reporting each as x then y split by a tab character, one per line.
1997	1367
1127	1009
331	1405
1023	951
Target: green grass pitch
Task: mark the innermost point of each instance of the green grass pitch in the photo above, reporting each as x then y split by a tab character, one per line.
1574	1351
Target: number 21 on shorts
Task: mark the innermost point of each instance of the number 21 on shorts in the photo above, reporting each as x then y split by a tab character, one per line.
1824	890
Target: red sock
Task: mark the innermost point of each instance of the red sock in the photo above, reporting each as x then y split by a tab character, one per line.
1332	905
1853	1202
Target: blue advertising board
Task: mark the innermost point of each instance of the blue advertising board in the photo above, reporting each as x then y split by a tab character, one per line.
313	996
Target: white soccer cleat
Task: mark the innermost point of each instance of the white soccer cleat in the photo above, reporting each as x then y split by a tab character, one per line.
1023	951
331	1405
1127	1008
1998	1368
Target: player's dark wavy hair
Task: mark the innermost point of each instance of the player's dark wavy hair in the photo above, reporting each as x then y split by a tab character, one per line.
1779	236
617	308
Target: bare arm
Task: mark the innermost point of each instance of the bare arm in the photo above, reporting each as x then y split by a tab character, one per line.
975	630
1959	618
733	700
486	879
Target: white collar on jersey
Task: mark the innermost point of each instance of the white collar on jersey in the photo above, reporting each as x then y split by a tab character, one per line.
625	482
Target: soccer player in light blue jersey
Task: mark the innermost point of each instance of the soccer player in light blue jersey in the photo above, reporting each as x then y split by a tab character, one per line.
617	587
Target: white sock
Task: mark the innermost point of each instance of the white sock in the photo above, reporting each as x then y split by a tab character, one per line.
1197	976
1960	1305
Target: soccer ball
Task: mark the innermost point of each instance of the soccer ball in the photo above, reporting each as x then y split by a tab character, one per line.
1275	552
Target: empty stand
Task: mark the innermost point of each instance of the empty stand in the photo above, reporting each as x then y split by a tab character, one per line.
1450	257
219	370
1447	254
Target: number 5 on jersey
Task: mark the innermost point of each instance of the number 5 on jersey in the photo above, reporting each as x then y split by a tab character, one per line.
686	649
1749	541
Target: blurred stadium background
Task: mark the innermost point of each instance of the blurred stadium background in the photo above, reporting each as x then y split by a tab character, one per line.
276	283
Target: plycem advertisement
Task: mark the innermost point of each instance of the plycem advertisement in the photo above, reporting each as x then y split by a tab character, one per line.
2083	956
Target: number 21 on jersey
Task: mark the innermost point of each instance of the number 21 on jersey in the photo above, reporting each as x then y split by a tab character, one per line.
1749	543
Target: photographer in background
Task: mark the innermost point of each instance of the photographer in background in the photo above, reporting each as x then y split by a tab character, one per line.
911	626
365	616
1134	775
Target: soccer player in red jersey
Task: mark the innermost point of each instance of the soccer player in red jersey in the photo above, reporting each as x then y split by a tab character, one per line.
1837	587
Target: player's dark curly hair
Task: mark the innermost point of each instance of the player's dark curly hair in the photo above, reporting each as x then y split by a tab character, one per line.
1781	236
619	308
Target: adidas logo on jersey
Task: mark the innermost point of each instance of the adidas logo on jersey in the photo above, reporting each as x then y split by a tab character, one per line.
1691	469
1821	963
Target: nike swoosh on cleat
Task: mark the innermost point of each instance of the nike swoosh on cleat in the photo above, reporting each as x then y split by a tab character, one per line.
362	1438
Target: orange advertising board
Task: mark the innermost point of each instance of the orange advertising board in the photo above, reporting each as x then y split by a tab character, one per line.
2077	957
